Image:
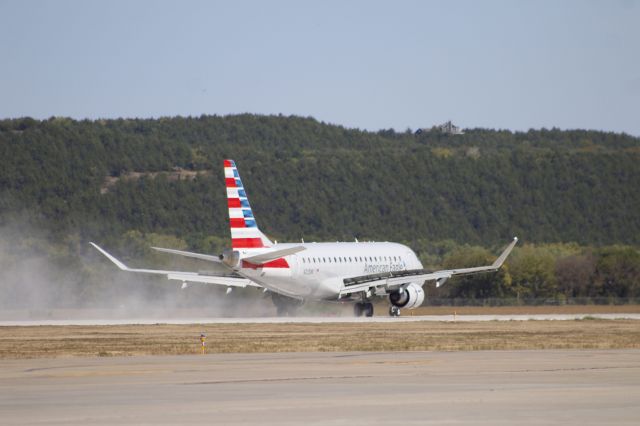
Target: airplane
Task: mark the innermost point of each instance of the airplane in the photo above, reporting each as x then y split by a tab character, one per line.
293	273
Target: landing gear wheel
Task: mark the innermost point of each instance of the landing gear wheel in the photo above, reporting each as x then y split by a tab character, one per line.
363	308
394	311
368	309
285	306
357	309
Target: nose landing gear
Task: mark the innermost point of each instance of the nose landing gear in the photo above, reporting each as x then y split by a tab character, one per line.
394	311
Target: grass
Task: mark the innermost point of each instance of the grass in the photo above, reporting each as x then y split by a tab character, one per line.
525	310
132	340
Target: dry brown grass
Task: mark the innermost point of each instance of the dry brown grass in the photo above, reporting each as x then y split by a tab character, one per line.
128	340
524	310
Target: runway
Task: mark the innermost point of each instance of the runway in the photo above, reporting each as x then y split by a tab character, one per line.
587	387
317	320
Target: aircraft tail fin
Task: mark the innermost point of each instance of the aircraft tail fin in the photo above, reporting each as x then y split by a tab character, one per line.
245	233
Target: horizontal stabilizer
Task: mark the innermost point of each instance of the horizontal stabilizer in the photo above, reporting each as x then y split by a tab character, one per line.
189	254
272	255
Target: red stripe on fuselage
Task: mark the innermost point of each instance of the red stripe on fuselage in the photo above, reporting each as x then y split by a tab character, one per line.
246	243
278	263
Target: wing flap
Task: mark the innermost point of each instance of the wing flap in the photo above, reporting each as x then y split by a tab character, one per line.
389	280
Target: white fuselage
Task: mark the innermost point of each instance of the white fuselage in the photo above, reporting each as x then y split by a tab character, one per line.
317	273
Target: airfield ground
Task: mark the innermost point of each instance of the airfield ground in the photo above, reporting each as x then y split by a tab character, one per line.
372	371
168	339
554	387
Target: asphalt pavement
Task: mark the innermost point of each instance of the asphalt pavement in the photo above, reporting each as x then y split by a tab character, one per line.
559	387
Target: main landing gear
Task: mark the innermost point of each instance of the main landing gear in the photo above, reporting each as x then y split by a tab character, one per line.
363	308
285	306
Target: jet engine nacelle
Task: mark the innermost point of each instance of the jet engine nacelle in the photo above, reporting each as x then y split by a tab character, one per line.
409	297
231	258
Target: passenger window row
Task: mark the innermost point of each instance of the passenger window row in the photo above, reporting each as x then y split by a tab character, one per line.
349	259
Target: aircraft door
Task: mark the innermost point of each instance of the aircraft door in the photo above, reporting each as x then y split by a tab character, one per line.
294	264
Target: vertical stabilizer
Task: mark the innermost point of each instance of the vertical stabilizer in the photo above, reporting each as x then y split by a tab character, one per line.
244	229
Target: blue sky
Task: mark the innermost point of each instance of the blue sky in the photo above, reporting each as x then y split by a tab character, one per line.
365	64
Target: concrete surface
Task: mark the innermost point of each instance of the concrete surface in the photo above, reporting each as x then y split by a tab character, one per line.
487	388
315	320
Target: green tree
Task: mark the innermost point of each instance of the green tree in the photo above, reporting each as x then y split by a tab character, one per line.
480	286
575	274
533	272
618	272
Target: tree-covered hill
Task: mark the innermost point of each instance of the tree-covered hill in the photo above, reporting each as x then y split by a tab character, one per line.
456	200
314	180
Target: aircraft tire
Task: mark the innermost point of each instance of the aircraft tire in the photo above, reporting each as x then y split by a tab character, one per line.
357	309
368	309
394	311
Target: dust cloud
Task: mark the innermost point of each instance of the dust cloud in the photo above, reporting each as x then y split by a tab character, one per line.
69	279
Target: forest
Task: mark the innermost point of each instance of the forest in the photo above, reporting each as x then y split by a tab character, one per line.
569	195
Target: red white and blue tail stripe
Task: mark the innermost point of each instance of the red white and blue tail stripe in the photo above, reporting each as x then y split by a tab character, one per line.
244	229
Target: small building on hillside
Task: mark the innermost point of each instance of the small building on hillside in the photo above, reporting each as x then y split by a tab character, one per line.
448	128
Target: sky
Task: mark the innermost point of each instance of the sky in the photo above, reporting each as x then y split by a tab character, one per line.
361	64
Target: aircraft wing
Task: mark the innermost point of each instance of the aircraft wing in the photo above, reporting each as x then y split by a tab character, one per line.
228	280
490	268
390	280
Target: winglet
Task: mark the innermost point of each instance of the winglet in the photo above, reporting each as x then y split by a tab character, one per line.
500	260
111	258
